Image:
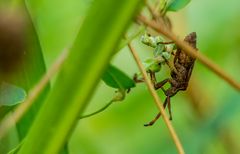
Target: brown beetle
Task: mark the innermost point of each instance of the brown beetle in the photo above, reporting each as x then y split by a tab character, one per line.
180	75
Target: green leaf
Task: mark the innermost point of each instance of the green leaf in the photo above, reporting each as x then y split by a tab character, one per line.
11	95
33	70
31	67
92	50
4	110
115	78
16	149
176	5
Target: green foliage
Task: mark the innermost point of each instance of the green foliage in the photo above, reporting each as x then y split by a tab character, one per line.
76	82
11	95
16	149
218	107
176	5
31	66
115	78
33	70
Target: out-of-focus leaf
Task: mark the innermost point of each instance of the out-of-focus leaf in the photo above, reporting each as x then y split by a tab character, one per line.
176	5
115	78
224	114
65	149
11	95
211	127
16	149
4	110
31	71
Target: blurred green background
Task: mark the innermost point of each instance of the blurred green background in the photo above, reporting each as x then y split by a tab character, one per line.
205	117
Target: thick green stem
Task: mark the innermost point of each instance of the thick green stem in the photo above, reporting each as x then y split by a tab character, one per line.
94	46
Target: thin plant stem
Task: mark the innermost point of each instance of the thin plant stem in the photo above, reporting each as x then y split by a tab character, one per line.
98	111
190	50
10	120
157	101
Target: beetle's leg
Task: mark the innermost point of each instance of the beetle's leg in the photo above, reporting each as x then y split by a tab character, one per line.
169	107
158	115
153	77
160	84
136	80
163	90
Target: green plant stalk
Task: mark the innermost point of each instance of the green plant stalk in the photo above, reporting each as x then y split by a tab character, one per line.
81	72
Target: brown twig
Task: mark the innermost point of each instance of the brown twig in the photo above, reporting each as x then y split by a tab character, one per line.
189	50
10	120
157	100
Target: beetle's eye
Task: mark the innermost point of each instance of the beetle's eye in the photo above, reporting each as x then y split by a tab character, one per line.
148	34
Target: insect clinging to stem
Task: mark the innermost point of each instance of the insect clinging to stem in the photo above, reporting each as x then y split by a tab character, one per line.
180	74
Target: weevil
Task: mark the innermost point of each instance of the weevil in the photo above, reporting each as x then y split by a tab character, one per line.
180	75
